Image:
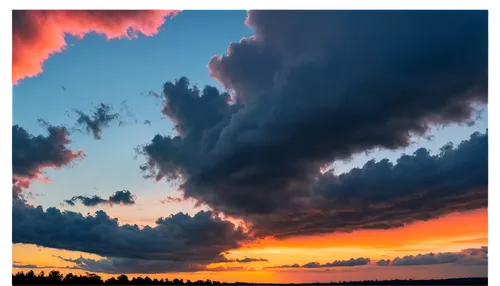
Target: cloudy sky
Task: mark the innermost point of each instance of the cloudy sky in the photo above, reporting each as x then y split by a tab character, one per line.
260	146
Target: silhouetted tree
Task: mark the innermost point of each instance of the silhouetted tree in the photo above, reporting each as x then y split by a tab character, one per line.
122	279
56	278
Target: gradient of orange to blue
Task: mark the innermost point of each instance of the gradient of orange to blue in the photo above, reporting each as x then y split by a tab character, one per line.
94	69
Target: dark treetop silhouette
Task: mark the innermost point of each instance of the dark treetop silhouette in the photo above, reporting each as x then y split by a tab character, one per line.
57	278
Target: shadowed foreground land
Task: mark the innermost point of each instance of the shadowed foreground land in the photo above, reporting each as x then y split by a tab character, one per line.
57	278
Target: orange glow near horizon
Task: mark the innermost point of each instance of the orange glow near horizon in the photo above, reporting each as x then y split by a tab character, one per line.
449	233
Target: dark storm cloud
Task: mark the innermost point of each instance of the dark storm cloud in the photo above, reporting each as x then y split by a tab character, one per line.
31	154
123	197
312	87
99	119
471	256
127	266
383	195
337	263
180	237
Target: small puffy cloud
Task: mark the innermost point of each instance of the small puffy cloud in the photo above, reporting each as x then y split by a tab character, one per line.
383	262
123	197
38	34
99	119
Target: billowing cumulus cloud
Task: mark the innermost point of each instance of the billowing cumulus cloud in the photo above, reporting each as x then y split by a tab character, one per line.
36	34
312	87
471	256
123	197
180	237
383	195
100	118
337	263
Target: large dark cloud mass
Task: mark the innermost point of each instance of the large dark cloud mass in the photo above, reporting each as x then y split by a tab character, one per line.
123	197
180	237
312	87
99	119
474	256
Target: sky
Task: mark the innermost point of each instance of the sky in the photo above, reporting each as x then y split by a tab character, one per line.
320	151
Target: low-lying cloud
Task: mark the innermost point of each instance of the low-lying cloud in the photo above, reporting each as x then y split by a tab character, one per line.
337	263
180	237
470	256
129	266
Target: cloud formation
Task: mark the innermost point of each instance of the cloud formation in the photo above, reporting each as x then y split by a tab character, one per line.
313	87
99	119
180	237
123	197
32	154
337	263
474	256
37	34
250	259
128	266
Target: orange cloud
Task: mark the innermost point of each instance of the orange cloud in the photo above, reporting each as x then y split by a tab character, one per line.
38	34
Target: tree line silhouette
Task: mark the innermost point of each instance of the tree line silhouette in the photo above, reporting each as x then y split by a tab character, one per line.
57	278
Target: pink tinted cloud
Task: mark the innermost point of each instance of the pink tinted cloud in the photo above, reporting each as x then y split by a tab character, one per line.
39	34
